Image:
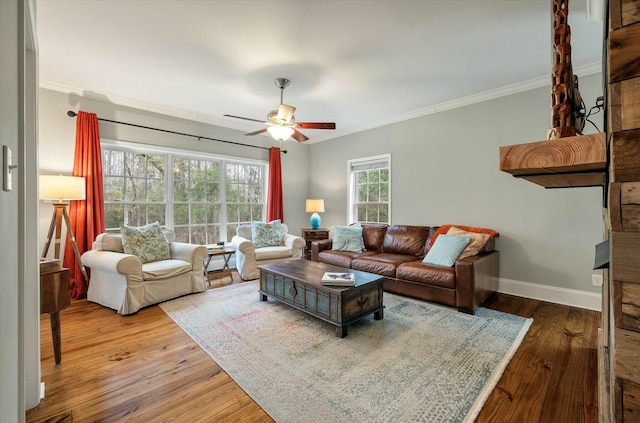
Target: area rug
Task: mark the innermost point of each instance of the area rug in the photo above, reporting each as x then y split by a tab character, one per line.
420	363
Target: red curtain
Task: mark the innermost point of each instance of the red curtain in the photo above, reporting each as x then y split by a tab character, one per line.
86	216
275	209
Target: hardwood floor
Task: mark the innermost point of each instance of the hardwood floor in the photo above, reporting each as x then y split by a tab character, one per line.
144	368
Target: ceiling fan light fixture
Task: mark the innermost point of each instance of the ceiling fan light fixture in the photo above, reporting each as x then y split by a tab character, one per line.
285	112
280	133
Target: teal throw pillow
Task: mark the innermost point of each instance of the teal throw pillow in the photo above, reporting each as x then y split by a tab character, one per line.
267	234
446	249
147	242
347	238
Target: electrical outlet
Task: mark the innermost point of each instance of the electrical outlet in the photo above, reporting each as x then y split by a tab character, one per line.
596	280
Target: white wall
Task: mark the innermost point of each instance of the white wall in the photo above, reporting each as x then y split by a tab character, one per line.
57	146
445	169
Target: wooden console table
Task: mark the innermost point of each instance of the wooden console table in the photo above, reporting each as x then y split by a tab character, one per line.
55	297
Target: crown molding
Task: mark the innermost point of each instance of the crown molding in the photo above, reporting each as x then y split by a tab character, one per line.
530	84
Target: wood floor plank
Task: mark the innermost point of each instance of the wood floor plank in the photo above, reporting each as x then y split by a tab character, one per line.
144	368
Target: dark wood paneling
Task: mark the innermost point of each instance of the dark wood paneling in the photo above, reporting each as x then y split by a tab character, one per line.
624	49
630	402
625	256
615	207
630	12
627	355
630	102
625	154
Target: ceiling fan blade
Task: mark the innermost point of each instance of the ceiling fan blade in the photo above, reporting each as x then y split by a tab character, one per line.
285	112
244	118
298	136
259	131
316	125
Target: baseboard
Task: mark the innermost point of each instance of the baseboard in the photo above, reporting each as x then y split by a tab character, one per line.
552	294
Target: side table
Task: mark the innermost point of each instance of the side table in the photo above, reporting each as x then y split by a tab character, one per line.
55	297
226	252
309	235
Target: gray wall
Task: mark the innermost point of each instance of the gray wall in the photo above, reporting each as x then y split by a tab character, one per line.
445	169
57	146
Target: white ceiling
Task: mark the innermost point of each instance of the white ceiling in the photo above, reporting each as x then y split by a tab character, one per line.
358	63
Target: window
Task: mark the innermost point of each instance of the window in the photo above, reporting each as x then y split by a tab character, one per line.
203	198
370	189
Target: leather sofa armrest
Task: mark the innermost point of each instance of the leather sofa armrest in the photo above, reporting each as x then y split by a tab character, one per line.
319	245
476	280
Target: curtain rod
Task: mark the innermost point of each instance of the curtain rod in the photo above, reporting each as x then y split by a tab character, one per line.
71	113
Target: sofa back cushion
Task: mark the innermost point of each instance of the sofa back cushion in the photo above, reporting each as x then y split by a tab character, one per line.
405	239
373	236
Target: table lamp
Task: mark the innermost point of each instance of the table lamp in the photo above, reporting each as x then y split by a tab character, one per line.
315	205
60	190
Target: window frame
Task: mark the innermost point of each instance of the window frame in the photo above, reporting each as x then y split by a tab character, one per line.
170	153
372	162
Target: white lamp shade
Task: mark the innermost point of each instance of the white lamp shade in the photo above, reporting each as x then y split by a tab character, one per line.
280	133
61	188
315	205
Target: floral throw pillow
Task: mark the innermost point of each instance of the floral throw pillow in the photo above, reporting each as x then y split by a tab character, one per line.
267	234
147	242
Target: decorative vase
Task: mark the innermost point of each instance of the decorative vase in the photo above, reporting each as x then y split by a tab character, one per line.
315	221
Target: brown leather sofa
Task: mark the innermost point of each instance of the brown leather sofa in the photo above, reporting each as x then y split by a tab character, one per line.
396	252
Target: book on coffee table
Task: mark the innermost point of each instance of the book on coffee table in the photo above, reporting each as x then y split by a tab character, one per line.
339	279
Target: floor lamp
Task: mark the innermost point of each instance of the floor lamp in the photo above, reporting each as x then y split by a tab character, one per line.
59	190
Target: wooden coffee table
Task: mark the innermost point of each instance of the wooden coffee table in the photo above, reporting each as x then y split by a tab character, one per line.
298	283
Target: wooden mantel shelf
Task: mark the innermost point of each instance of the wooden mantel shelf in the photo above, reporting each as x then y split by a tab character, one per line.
579	161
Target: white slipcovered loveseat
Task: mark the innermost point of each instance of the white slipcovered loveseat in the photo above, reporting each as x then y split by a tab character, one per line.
248	257
124	283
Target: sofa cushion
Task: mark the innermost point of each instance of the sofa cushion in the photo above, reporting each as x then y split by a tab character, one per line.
273	253
265	234
478	241
146	242
164	269
383	264
373	236
341	258
446	249
445	228
347	238
417	271
405	239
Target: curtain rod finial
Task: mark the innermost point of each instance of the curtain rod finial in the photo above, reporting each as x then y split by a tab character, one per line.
71	113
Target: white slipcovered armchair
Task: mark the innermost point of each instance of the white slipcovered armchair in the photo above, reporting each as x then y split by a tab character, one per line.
122	282
248	258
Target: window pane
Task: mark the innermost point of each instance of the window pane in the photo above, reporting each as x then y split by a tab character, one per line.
113	188
198	215
213	213
156	213
156	190
198	235
136	215
114	215
384	192
373	192
182	233
181	214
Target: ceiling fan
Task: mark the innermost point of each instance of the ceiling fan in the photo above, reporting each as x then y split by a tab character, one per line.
281	123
